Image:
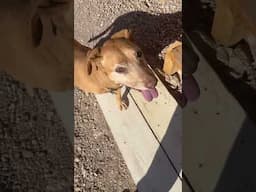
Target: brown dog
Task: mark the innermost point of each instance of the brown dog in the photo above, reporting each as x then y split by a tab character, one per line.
36	43
235	20
119	62
173	59
178	71
172	67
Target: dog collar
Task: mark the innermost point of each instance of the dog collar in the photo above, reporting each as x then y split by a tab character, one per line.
113	90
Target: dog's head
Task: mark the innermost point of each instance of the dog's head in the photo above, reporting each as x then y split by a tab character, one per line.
124	63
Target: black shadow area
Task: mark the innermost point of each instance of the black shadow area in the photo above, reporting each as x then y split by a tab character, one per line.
239	171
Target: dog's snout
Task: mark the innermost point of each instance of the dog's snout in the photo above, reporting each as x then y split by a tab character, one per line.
151	82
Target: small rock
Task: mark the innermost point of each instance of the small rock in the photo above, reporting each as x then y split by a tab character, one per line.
126	190
95	174
33	142
146	2
78	149
16	155
49	115
27	154
76	160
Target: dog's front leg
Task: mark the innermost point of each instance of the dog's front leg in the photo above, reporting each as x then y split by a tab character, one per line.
120	103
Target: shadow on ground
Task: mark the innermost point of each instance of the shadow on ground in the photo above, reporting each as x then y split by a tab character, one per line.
238	173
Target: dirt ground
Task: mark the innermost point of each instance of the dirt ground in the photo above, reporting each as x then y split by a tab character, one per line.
98	163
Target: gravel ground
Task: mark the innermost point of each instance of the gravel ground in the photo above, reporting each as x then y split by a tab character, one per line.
35	153
98	163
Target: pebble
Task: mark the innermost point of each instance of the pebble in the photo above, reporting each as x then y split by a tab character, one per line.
27	154
76	160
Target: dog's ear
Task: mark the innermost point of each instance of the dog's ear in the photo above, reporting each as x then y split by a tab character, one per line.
89	68
125	33
95	61
96	57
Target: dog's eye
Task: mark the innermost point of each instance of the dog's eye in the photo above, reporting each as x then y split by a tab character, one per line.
121	70
139	54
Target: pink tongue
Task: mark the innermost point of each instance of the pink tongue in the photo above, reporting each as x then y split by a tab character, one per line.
149	94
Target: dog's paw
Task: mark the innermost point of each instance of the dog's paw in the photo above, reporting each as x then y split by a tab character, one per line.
123	105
